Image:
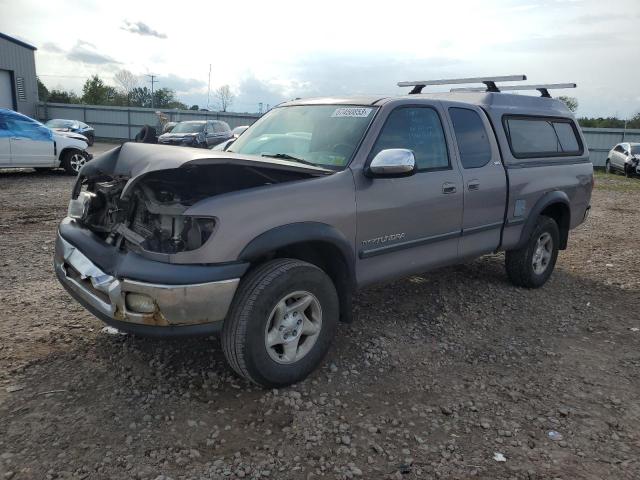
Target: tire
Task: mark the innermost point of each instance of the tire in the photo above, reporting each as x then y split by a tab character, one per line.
607	167
628	171
520	263
147	135
72	161
254	317
90	139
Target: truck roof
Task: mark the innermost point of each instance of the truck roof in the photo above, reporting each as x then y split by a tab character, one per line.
521	104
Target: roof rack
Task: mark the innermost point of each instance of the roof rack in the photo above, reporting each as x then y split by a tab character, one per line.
490	82
542	88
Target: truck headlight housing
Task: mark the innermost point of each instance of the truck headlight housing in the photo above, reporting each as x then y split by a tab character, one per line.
78	207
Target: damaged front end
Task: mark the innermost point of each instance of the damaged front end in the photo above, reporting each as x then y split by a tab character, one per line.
118	251
149	220
140	205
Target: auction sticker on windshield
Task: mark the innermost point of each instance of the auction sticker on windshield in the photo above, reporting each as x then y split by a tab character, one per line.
359	112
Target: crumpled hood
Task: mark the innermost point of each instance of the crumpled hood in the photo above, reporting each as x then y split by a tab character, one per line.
70	134
134	160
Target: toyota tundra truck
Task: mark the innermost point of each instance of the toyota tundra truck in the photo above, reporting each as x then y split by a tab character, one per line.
266	243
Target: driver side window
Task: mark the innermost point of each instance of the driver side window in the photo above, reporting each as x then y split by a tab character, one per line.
418	129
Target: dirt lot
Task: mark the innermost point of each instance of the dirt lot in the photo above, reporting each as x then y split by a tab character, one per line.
438	374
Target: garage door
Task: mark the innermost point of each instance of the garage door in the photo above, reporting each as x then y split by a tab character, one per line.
6	90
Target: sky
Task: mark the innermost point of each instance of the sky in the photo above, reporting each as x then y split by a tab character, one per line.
271	51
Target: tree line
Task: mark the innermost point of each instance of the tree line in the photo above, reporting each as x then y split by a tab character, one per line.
601	122
126	93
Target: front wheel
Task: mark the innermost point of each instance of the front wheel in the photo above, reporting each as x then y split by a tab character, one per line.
628	171
607	166
73	161
281	323
532	265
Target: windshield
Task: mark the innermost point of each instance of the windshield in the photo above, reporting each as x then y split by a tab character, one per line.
60	123
324	135
635	149
188	127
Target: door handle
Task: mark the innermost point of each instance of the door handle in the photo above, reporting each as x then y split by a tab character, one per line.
448	188
473	185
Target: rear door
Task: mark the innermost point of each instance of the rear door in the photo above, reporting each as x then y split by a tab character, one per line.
31	142
484	178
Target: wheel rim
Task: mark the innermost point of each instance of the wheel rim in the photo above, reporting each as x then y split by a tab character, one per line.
542	253
607	167
293	327
77	161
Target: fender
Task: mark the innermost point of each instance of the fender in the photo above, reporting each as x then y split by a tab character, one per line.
287	235
548	199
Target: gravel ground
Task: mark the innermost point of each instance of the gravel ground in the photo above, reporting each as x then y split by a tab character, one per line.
451	374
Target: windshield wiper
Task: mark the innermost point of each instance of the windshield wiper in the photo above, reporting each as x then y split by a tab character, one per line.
286	156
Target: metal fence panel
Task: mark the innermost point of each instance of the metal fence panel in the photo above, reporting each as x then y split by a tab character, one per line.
601	140
122	123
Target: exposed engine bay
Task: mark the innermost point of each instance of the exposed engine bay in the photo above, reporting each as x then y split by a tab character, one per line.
149	215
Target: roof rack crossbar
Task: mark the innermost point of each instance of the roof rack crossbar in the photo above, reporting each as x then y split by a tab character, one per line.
542	88
490	82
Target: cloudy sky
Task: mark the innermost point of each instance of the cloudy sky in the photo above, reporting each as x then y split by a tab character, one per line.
269	51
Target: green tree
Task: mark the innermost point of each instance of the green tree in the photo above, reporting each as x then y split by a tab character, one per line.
194	107
600	122
570	102
43	91
62	96
634	122
95	92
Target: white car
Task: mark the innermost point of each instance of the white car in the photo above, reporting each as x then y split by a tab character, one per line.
25	142
624	158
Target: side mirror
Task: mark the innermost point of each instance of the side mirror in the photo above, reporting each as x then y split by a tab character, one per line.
393	162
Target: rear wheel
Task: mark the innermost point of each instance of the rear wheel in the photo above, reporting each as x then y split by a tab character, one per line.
532	265
281	323
607	166
73	161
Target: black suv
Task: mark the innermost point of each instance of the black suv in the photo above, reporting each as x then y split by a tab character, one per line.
197	133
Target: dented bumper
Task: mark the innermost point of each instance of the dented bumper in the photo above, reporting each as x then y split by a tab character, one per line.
170	309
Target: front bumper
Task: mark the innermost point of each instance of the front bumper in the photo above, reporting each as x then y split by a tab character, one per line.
184	309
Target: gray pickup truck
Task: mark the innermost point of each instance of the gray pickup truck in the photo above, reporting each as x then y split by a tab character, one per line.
265	243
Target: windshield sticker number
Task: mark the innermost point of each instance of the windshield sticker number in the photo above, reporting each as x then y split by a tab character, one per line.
351	112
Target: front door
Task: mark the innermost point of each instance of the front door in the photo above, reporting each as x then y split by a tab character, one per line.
5	142
485	181
31	143
410	224
619	156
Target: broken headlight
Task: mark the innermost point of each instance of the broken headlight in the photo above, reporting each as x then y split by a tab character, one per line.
78	207
170	233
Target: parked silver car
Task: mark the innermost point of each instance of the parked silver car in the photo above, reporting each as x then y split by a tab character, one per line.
624	158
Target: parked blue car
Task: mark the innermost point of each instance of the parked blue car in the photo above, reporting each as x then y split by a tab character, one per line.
75	126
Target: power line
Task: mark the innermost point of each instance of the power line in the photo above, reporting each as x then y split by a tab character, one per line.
209	88
153	80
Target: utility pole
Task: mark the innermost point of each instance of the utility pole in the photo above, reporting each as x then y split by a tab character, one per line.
153	80
209	89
